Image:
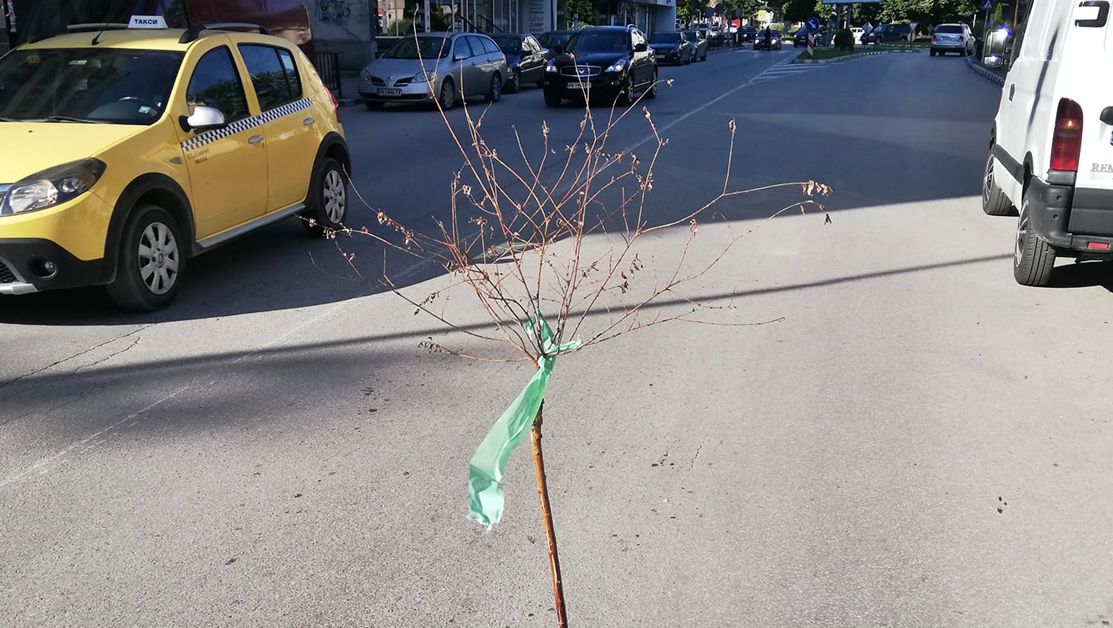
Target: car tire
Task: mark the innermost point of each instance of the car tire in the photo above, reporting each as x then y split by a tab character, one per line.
328	199
626	96
494	91
651	91
447	97
514	83
151	261
374	105
552	100
1033	259
994	201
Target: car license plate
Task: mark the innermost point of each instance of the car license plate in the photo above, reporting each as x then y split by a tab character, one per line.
383	91
579	85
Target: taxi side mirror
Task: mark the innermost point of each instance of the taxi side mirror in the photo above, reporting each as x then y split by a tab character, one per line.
203	119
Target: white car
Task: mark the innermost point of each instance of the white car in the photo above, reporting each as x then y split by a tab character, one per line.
857	32
1051	154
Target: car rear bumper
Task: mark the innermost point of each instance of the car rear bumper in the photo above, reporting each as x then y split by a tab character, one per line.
948	46
1079	220
24	267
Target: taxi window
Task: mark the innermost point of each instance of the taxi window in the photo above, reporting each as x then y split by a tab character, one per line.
291	70
268	76
87	84
216	83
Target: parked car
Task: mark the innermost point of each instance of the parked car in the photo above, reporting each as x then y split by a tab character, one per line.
746	34
1050	153
699	45
887	33
555	41
155	145
435	67
672	48
952	38
611	61
525	60
774	42
857	32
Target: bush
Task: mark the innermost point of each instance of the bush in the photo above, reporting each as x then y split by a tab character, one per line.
844	39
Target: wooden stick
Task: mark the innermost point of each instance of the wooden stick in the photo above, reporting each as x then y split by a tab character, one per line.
547	514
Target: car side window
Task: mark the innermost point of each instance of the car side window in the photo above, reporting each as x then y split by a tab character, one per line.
461	48
267	76
489	46
216	83
291	68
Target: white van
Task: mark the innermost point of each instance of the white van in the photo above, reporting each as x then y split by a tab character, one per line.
1051	150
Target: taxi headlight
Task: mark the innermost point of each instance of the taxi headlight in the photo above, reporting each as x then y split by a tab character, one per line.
52	186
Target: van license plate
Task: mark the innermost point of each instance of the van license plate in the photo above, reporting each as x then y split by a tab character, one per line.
579	86
383	91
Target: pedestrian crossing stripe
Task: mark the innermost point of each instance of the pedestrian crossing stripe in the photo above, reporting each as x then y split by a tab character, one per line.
239	126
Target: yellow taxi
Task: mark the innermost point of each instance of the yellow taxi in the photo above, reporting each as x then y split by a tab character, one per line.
127	151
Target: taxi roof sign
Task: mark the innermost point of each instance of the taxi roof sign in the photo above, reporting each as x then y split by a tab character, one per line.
147	21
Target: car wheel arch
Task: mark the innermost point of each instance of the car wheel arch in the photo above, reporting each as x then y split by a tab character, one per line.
334	146
153	188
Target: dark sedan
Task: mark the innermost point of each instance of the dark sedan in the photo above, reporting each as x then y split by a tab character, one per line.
672	48
525	60
555	41
746	34
800	38
699	45
610	61
773	42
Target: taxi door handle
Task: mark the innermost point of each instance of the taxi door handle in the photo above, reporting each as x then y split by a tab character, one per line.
255	139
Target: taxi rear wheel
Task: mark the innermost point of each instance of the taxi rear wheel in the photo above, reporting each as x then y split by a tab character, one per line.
151	261
328	199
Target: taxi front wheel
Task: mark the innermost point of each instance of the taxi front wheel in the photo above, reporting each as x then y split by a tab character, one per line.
150	263
328	198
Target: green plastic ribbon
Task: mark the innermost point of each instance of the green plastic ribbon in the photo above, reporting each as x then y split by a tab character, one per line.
489	461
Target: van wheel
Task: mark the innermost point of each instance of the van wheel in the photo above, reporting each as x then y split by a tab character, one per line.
328	199
994	201
151	261
1034	259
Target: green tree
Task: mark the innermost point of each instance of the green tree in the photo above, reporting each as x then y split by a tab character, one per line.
799	10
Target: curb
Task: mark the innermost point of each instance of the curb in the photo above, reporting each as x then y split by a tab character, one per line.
992	77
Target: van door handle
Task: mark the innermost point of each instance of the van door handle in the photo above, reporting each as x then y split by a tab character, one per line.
255	139
308	121
1012	91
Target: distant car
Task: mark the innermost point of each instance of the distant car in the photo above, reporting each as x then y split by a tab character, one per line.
444	67
746	34
555	41
857	32
614	60
952	38
525	60
672	48
890	33
699	45
774	40
800	38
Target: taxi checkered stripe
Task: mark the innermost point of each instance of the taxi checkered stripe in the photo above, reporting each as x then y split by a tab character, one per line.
208	137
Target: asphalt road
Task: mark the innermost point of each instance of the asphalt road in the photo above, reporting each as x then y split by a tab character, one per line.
919	442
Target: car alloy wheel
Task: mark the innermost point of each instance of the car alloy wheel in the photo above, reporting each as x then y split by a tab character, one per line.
448	95
514	85
151	261
494	92
334	197
158	258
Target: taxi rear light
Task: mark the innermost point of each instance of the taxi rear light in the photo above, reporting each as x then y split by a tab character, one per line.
335	103
1066	143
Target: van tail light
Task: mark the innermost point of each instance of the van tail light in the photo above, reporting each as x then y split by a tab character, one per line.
1066	144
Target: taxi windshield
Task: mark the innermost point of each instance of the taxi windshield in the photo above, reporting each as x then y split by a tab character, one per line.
111	86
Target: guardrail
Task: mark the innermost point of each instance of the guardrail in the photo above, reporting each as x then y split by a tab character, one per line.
328	67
